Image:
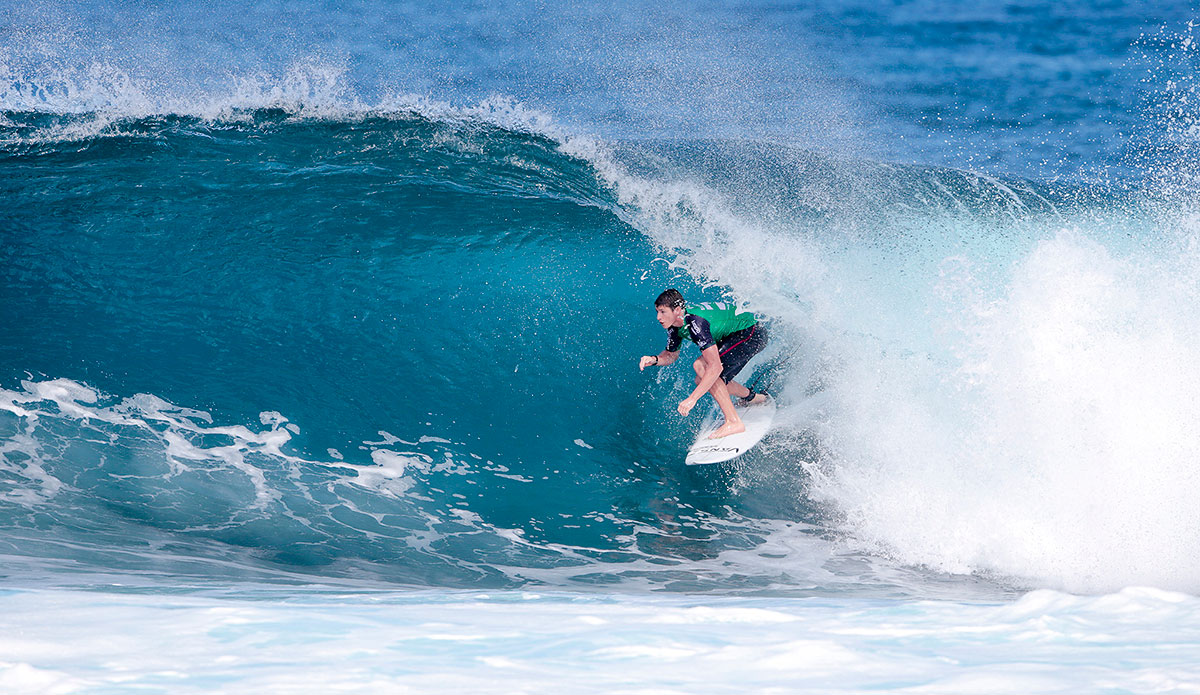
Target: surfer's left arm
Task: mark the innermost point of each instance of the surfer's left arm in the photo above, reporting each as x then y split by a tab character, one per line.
662	359
711	357
669	354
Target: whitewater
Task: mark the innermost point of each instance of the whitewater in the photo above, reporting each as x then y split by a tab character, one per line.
319	330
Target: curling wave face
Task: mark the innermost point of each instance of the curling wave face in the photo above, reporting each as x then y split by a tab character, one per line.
444	308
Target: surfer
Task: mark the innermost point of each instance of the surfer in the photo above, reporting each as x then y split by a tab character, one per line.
727	340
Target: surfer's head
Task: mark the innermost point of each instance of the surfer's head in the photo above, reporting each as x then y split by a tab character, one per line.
670	308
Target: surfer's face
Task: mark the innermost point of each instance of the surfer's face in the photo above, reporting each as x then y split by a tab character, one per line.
669	317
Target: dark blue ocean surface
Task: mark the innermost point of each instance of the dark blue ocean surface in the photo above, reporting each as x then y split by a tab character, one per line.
356	292
1029	88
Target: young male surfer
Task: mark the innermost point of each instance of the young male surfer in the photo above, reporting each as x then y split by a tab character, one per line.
727	340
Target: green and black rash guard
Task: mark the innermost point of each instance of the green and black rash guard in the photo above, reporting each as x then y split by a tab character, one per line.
708	324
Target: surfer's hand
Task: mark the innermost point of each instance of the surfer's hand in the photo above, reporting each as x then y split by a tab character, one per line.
685	406
647	361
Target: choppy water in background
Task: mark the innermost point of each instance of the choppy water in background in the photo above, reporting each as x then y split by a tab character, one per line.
316	322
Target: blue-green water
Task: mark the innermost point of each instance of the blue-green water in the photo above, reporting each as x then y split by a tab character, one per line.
468	289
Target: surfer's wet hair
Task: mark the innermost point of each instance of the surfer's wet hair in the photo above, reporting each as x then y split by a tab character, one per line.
671	298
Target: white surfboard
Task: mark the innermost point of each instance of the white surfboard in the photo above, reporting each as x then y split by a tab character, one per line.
757	419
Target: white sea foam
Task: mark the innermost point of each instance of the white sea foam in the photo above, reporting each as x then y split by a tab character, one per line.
183	434
1058	444
317	641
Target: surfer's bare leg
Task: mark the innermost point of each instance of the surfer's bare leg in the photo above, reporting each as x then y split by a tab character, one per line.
736	390
719	392
733	423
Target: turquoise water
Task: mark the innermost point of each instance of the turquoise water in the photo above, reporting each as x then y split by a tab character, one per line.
300	302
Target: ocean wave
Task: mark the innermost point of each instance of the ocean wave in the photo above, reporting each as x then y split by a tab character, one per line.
473	274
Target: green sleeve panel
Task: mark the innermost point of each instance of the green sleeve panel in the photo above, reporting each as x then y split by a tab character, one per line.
723	318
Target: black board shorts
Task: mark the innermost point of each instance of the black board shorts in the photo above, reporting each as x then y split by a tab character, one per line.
737	348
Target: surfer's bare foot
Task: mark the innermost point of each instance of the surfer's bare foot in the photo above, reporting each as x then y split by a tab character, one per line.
759	399
728	429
